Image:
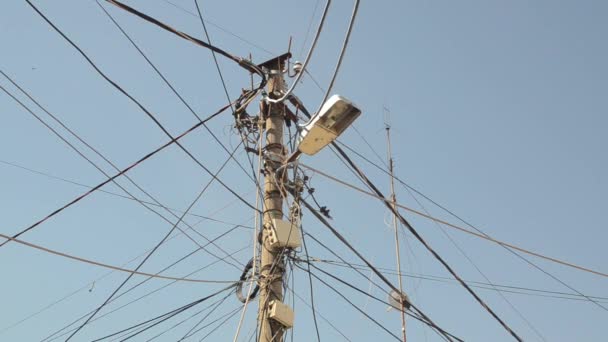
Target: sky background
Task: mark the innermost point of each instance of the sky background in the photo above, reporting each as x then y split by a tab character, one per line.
498	111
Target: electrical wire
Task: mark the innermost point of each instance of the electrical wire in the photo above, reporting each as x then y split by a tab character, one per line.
508	247
154	249
459	228
144	158
481	285
423	242
108	266
307	59
344	45
310	286
221	28
166	81
66	180
429	323
75	149
423	316
135	101
167	315
58	334
244	63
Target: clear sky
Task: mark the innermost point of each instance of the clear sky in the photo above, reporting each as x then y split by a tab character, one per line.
498	111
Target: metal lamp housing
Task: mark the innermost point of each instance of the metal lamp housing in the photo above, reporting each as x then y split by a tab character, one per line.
335	116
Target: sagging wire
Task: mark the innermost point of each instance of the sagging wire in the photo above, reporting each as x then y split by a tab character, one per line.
256	232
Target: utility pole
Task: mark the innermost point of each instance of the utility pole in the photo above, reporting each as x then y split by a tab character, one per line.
395	227
272	263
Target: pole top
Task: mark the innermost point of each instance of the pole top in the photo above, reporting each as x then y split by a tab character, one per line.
276	63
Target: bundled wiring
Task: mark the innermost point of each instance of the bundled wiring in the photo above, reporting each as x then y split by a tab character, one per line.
161	318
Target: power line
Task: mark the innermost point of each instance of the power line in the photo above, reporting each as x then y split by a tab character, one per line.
108	161
65	180
482	285
100	264
153	250
424	316
167	315
244	63
77	199
510	248
220	28
464	230
427	246
308	56
56	335
166	81
342	51
136	102
423	320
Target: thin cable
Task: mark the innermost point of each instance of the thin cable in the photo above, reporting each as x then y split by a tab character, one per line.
214	305
244	63
464	230
257	225
166	81
169	314
312	295
153	250
66	180
429	323
74	148
202	320
344	45
425	317
77	199
308	56
477	284
312	17
220	28
111	267
135	101
427	246
506	246
57	334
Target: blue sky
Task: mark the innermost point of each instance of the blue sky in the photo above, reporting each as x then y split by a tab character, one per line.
498	111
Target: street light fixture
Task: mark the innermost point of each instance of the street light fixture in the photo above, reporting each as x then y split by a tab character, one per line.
335	116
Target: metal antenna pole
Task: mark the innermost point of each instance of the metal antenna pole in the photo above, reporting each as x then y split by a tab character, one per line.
395	226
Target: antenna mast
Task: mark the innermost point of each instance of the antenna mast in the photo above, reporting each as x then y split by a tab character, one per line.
401	297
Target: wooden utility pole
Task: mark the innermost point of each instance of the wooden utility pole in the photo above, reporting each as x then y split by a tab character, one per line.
395	227
272	266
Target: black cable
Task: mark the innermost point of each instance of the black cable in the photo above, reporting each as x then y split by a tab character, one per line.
169	314
355	306
221	28
427	246
424	317
166	81
65	180
414	232
136	102
244	63
517	254
152	251
312	295
427	322
77	199
203	319
230	314
52	336
214	305
74	148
